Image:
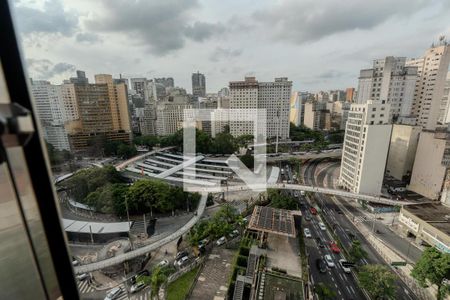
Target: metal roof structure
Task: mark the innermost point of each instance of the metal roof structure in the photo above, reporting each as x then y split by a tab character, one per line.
273	220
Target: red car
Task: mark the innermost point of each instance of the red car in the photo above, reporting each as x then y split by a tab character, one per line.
334	247
313	210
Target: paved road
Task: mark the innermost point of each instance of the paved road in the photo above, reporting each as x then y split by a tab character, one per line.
343	225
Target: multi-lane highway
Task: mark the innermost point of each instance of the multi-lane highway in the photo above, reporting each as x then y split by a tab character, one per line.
343	284
343	226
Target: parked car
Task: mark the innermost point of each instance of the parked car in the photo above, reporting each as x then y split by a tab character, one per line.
329	261
320	243
313	210
307	217
83	276
163	263
181	254
234	233
114	293
322	226
334	248
307	233
137	287
321	265
75	262
221	241
181	262
138	274
344	265
296	194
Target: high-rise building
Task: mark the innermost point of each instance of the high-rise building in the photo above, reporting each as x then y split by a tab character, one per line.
431	163
444	111
317	116
102	114
402	151
51	113
81	78
138	85
349	94
170	112
272	96
430	85
198	85
297	109
392	81
166	82
366	144
118	97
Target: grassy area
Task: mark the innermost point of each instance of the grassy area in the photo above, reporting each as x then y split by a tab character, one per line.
178	289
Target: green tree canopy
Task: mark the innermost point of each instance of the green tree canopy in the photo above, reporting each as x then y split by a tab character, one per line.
378	281
280	200
356	252
146	140
433	267
324	292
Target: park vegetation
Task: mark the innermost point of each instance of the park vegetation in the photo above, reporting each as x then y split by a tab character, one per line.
378	281
433	267
105	190
224	221
280	200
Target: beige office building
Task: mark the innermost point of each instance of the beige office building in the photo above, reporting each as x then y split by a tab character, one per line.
402	151
429	169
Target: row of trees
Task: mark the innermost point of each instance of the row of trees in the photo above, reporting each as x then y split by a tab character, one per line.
280	200
120	149
105	190
222	143
221	224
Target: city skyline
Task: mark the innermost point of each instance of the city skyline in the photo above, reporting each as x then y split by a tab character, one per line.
315	53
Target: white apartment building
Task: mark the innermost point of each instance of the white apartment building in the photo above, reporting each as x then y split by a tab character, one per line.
366	144
51	113
391	80
444	110
272	96
170	113
432	71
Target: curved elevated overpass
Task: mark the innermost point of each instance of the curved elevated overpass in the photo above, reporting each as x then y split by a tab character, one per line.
144	250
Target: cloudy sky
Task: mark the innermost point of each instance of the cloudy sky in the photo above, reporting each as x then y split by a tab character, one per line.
317	44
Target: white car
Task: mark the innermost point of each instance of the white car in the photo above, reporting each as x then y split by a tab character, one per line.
221	241
163	263
83	276
296	195
137	287
307	233
322	226
114	293
342	262
181	261
329	261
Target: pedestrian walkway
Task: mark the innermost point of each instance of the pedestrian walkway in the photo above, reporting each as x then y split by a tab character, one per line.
84	287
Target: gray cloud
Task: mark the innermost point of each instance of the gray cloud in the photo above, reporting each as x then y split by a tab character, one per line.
224	54
162	26
310	20
51	19
201	31
331	74
46	69
88	38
